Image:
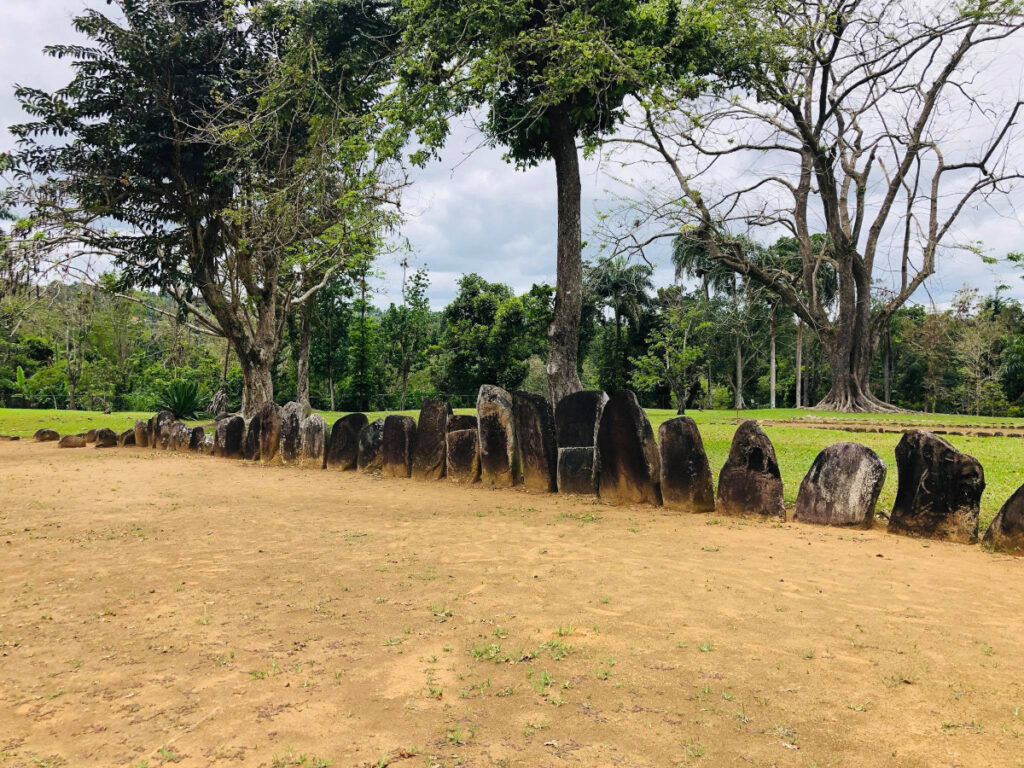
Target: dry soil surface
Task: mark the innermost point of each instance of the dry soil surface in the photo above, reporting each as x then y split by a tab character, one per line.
159	609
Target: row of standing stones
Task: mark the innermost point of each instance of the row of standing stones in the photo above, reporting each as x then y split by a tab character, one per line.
593	444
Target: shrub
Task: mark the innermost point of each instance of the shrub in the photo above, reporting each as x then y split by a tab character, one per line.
182	398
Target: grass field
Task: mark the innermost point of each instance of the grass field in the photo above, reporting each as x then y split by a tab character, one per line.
796	444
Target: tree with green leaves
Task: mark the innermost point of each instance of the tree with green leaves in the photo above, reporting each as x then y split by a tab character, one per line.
405	331
674	352
550	75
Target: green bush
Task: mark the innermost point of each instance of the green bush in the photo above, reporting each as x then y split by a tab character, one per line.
182	398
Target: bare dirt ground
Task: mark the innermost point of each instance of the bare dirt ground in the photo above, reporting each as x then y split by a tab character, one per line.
159	609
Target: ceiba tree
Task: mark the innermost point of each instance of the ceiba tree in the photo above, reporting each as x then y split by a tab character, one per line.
549	76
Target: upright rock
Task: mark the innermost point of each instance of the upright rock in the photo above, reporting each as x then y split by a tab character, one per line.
106	438
428	458
72	441
291	432
270	431
938	495
342	450
180	436
750	483
197	436
499	456
142	433
841	487
313	432
462	449
126	438
90	436
46	435
207	445
577	417
686	482
399	442
1006	533
535	436
158	425
629	467
371	437
229	437
251	444
460	421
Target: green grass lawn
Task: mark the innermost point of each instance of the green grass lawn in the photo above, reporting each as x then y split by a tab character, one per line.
795	445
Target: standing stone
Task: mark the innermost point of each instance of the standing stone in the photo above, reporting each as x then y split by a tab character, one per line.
313	431
126	438
342	450
106	438
499	456
181	436
196	437
399	442
251	444
46	435
207	446
72	441
750	482
90	436
577	417
370	439
841	487
158	425
462	456
1006	533
629	467
291	432
938	495
686	482
459	421
229	436
270	431
142	433
428	458
535	436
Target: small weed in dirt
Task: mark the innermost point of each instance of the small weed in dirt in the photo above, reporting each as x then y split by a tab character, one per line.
169	755
292	760
706	646
459	735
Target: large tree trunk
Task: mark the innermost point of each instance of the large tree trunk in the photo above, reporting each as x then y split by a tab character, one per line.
302	374
738	389
257	387
564	331
771	363
799	361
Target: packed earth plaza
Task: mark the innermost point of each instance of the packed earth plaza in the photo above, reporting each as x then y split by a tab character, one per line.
520	586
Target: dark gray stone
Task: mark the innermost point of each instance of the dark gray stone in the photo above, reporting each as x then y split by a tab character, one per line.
399	442
313	432
371	438
577	417
270	431
126	438
196	437
750	483
142	433
1006	533
842	486
628	464
158	425
90	436
342	450
938	495
499	456
106	438
179	436
72	441
229	438
535	436
251	444
462	459
46	435
459	421
577	470
686	482
428	458
291	432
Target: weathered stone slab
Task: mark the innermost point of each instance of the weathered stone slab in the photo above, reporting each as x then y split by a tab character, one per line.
142	433
499	455
371	438
628	464
462	448
46	435
291	432
313	432
577	417
399	442
428	458
126	438
342	450
460	421
750	483
686	482
106	438
158	424
842	486
196	437
206	447
270	431
251	444
535	436
90	436
180	436
577	470
1006	533
938	495
72	441
229	438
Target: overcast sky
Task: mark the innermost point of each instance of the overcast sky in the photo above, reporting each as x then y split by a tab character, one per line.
472	212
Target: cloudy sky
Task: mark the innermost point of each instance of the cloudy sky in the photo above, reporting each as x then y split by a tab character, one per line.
470	211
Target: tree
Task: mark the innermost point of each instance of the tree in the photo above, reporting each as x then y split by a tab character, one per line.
405	330
230	150
623	287
845	118
550	74
673	353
